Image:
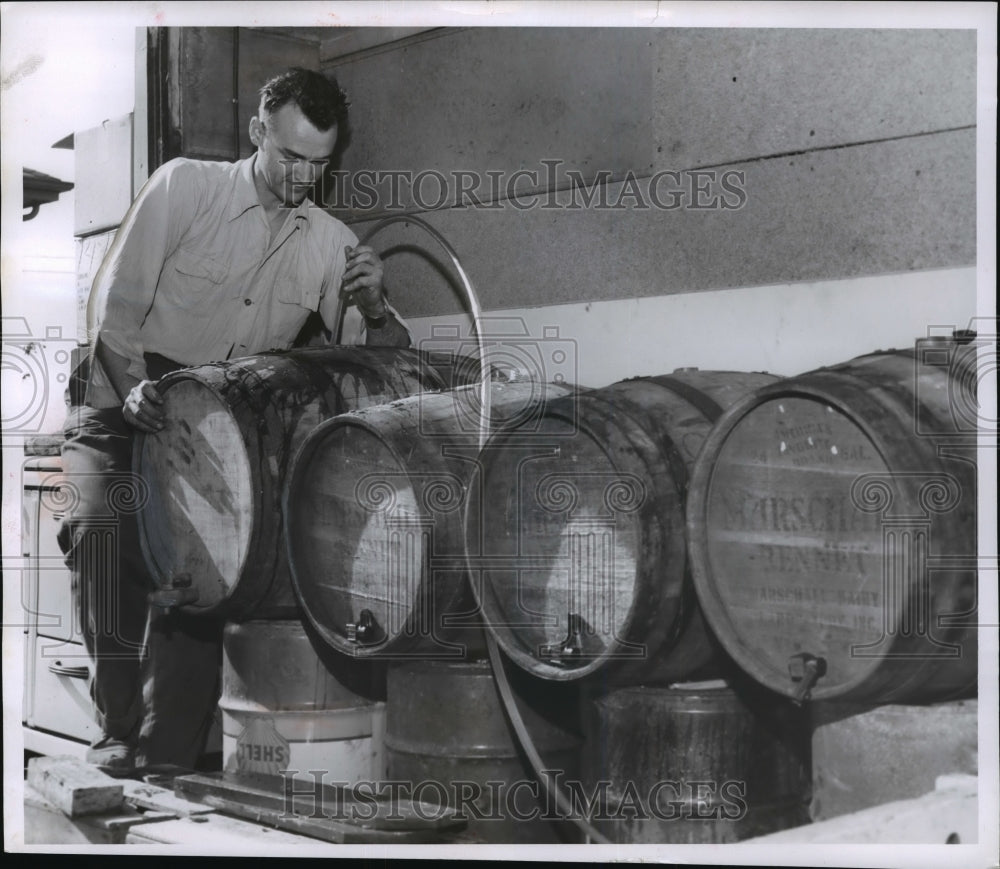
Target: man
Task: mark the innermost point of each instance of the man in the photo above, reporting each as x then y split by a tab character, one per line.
213	261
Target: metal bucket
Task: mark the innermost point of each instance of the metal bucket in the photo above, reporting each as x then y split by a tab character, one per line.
448	740
696	763
284	710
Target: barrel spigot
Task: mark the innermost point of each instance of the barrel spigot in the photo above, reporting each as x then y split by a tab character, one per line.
363	630
178	593
806	670
570	647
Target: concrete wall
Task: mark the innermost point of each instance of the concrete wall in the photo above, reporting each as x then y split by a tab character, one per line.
857	149
839	156
785	329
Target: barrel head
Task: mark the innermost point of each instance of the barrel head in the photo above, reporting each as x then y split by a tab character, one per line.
198	522
360	542
793	555
557	545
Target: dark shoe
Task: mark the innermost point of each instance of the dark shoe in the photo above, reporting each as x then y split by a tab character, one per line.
112	756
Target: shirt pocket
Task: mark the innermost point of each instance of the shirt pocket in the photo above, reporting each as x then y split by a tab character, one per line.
306	294
195	277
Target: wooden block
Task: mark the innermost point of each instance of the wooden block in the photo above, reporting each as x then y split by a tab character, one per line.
45	824
75	787
141	795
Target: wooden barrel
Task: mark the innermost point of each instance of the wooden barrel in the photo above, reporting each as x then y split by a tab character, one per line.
288	712
832	526
211	525
581	532
448	741
695	763
373	514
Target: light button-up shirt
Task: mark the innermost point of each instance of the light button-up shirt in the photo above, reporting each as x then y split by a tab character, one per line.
194	275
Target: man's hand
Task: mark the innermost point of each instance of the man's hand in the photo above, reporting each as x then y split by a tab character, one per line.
144	408
363	280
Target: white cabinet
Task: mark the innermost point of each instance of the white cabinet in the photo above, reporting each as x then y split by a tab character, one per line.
56	695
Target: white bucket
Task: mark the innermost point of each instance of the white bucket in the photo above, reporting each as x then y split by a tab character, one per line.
284	713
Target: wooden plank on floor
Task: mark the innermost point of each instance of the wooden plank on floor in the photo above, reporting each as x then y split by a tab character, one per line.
326	802
141	795
75	787
46	824
326	829
213	831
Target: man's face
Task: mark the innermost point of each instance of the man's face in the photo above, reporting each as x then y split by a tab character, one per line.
287	142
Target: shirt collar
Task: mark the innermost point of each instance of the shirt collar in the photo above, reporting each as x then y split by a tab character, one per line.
244	193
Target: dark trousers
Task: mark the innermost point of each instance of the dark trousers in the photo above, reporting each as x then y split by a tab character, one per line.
154	676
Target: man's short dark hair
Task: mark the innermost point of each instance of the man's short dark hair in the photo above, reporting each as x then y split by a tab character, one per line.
320	98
